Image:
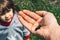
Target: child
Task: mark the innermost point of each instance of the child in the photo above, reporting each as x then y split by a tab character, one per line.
10	27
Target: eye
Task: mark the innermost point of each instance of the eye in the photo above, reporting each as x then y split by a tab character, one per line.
5	10
8	10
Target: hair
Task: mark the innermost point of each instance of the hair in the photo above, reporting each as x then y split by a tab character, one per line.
6	5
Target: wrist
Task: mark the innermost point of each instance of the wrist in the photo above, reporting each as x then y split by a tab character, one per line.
55	33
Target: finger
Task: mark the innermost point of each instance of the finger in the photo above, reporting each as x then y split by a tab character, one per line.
32	14
36	25
27	18
39	20
41	13
28	25
25	23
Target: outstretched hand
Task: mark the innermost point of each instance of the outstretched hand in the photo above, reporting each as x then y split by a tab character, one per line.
47	21
30	20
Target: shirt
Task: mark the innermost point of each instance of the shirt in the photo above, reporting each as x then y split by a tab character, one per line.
14	31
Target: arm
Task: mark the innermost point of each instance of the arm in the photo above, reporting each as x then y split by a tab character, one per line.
26	34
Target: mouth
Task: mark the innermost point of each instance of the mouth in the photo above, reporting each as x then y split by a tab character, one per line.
7	20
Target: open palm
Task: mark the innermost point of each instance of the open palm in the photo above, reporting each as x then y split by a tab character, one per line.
32	20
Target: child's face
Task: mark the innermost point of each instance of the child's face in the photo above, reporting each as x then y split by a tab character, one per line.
7	16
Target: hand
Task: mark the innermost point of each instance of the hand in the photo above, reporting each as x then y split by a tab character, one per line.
30	20
49	26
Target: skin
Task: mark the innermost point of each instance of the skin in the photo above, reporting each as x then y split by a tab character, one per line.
49	28
7	17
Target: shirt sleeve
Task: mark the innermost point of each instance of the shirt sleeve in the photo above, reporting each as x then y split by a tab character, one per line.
26	33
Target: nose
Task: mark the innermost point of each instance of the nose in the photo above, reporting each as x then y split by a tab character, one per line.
7	16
